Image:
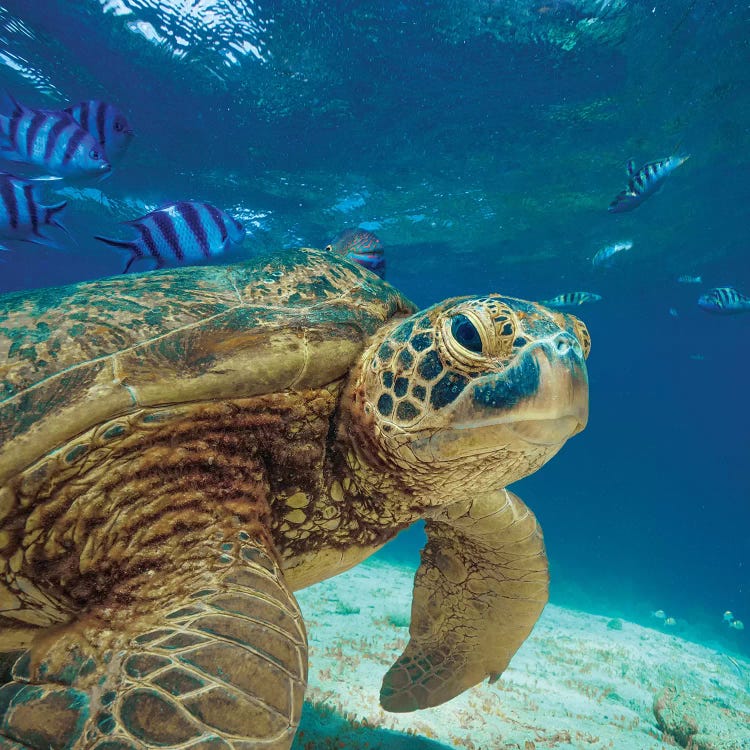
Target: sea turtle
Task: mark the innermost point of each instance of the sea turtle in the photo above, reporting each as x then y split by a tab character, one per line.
183	449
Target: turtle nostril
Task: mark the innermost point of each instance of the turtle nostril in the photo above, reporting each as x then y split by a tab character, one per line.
563	343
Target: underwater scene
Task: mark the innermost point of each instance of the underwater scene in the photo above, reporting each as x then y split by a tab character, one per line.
374	374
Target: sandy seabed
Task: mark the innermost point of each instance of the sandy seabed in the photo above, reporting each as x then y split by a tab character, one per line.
579	681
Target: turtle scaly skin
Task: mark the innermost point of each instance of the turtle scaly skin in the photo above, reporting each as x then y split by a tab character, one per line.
182	450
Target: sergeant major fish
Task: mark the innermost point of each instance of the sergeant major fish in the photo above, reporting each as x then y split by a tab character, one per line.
570	299
605	256
52	140
645	182
108	126
22	216
182	233
361	246
724	300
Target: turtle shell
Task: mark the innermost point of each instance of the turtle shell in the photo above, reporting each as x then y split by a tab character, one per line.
76	356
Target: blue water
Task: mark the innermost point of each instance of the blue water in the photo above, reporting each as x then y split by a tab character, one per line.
482	141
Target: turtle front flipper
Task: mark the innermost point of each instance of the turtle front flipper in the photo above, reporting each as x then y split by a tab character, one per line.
480	588
221	662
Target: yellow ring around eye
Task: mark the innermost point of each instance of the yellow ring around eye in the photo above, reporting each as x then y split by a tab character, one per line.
454	348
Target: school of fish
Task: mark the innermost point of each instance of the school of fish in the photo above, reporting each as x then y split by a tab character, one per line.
84	142
642	184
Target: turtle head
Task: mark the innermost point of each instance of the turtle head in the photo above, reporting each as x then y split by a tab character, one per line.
479	388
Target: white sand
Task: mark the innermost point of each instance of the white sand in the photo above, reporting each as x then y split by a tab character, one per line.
575	683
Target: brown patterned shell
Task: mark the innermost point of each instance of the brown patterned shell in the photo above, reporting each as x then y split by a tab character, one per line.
75	356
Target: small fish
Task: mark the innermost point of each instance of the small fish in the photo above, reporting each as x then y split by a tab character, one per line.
52	140
724	300
361	246
737	625
108	126
673	312
687	279
605	256
660	614
644	182
180	233
728	616
22	216
570	299
670	622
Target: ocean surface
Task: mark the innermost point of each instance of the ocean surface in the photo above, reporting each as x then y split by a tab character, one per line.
482	141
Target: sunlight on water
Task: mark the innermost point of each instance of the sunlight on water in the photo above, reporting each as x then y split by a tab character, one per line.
228	27
14	33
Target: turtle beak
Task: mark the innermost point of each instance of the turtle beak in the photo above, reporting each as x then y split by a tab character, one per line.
559	408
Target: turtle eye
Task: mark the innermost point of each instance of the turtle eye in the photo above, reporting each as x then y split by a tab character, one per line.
94	154
466	334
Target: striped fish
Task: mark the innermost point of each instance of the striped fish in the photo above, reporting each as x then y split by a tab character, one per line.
645	182
108	126
724	300
22	216
571	299
180	233
361	246
51	140
605	257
